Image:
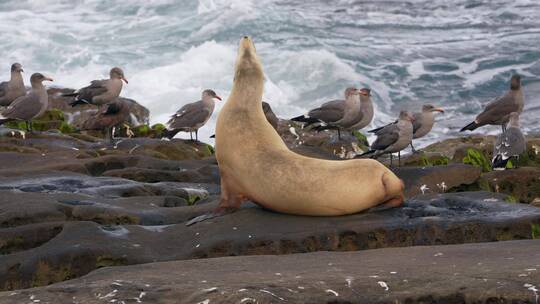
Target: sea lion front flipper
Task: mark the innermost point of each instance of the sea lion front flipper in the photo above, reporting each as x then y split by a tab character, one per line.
229	203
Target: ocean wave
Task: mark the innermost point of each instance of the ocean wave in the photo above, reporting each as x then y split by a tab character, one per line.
457	55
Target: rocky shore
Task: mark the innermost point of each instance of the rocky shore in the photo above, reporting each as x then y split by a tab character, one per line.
78	218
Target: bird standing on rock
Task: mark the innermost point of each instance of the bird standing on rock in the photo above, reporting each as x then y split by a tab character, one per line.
365	116
423	121
14	88
29	106
338	114
511	143
393	137
100	92
108	117
498	111
192	116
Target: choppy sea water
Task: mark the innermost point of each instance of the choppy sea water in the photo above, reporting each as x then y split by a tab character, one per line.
456	54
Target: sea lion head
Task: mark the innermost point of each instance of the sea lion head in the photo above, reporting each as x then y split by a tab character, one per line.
247	61
515	82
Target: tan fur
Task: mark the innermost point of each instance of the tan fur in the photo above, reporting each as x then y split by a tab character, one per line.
256	164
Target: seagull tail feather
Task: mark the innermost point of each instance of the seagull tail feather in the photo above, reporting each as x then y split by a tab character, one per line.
473	125
499	162
77	102
170	133
303	118
369	152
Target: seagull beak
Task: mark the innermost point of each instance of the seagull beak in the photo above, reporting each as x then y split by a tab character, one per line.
217	97
21	70
365	92
125	80
440	110
48	78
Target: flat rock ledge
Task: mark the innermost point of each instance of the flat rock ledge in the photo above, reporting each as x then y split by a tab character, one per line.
502	272
53	238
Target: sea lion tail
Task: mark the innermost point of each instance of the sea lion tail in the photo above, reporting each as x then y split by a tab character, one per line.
393	186
473	125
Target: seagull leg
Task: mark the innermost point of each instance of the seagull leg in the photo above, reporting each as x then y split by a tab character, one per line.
197	135
413	149
503	126
129	133
190	135
399	158
338	133
390	159
29	126
108	135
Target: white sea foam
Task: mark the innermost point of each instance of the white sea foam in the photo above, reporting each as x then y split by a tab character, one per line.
173	49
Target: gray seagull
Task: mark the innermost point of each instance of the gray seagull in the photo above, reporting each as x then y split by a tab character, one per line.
14	88
192	116
393	137
29	106
100	92
498	111
511	143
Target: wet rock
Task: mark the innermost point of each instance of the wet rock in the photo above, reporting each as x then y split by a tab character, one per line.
503	272
109	187
83	246
59	152
455	149
522	184
437	179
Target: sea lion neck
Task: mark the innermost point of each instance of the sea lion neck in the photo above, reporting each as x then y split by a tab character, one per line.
248	77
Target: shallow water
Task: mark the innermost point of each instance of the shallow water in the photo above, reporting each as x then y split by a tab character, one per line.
458	56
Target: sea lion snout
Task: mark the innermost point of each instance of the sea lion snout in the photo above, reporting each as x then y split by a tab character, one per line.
247	63
246	45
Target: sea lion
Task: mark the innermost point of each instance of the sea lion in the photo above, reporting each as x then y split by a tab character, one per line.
255	164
